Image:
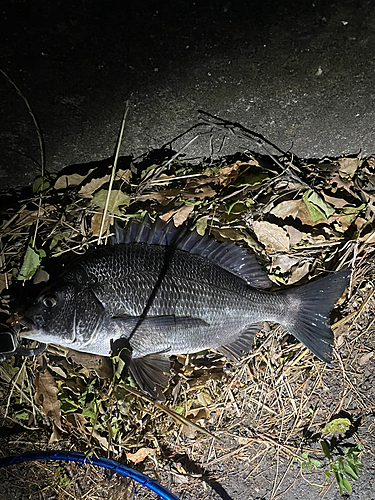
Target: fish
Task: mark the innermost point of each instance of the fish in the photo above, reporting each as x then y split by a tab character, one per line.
157	290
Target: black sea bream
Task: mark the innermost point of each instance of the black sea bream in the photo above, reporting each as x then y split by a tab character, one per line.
169	291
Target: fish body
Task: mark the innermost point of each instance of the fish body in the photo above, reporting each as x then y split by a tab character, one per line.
169	291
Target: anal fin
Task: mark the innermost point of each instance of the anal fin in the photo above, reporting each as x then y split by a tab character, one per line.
241	344
150	373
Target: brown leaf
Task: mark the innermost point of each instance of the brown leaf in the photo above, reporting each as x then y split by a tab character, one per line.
336	202
229	174
284	262
140	455
96	222
46	396
348	166
179	216
273	237
287	208
365	358
102	365
299	272
70	180
295	236
88	189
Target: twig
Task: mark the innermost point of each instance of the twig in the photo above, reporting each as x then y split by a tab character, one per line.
114	166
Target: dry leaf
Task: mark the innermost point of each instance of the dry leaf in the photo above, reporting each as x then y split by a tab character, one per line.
46	396
295	236
102	365
298	273
88	189
273	237
70	180
140	455
365	358
284	262
96	223
336	202
229	174
288	208
179	216
116	199
348	166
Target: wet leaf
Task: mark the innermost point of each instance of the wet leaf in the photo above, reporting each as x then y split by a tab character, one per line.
30	263
140	455
116	199
273	237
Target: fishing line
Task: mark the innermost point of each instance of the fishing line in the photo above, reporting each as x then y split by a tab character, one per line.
105	463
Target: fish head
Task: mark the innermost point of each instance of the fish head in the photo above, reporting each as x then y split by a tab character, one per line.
52	316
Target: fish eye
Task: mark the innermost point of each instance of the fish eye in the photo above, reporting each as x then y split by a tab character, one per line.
49	301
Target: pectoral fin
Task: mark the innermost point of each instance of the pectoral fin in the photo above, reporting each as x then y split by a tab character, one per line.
241	344
150	373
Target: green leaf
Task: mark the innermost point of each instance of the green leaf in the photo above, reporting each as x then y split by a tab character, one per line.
57	239
252	178
349	471
346	485
317	207
116	199
40	185
305	454
68	406
146	170
337	425
339	476
315	462
30	263
21	415
325	449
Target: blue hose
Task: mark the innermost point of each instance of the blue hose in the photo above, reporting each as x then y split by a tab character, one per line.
71	456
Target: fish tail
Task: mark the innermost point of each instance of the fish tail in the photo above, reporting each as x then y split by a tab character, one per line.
310	323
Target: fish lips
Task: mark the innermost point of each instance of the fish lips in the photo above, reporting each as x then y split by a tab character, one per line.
33	331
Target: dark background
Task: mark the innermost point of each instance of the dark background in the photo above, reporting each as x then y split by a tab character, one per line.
299	72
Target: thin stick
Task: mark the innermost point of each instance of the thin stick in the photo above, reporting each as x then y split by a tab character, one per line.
117	151
38	129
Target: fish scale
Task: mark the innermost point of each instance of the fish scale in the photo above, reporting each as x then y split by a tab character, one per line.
160	290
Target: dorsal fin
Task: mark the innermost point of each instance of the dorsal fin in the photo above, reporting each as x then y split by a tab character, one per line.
229	256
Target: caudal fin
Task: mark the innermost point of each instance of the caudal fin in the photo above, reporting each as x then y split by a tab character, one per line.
310	324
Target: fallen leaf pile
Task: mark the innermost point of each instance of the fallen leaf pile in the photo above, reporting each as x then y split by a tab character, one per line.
299	218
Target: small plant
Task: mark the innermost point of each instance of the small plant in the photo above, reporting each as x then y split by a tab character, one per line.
344	468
